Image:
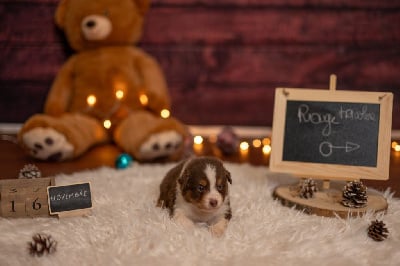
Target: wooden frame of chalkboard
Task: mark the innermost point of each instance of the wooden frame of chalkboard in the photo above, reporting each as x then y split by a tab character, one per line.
332	135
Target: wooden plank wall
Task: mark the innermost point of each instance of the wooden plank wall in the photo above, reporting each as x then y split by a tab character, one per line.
222	58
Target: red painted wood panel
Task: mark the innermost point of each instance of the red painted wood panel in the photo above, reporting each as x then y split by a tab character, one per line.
253	3
222	58
280	65
260	27
281	3
215	105
33	63
19	28
219	26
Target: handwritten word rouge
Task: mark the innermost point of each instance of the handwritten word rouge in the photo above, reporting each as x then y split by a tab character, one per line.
328	119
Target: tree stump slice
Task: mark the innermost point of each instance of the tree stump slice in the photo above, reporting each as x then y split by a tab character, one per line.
327	202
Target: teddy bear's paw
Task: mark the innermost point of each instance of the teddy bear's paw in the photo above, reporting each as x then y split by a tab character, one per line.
160	145
47	144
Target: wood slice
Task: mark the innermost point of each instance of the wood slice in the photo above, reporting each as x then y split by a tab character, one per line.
327	202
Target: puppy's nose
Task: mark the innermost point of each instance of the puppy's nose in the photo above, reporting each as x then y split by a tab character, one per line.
213	203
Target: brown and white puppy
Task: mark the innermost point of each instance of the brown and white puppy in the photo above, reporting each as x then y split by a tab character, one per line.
196	191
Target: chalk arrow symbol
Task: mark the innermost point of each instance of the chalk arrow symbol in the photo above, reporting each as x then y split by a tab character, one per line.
350	146
326	148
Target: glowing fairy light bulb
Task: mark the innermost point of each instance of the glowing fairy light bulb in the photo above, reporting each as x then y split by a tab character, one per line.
257	143
165	113
266	141
266	149
198	140
119	94
107	123
91	100
244	146
397	147
394	144
144	100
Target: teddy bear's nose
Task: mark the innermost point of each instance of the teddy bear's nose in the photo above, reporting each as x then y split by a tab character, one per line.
90	24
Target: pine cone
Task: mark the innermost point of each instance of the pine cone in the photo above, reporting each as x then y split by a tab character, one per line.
42	243
307	188
355	195
30	171
377	231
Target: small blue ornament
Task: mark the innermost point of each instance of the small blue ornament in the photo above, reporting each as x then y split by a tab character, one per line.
123	161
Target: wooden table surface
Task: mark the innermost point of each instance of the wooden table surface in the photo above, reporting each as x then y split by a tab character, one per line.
12	159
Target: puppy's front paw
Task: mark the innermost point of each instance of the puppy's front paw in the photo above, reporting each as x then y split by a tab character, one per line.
218	229
160	145
47	144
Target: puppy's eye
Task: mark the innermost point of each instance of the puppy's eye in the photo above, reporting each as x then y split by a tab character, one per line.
220	187
200	188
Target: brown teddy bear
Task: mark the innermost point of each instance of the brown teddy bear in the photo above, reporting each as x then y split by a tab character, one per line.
109	90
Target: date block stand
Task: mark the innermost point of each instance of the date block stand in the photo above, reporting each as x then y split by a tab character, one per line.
24	197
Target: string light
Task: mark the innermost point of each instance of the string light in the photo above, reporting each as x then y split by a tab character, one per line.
266	141
107	124
165	113
91	100
257	143
266	149
119	94
396	146
198	140
244	146
144	100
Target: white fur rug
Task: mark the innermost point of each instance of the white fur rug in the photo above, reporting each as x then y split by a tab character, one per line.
126	228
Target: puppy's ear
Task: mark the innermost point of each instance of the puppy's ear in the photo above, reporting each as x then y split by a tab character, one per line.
183	180
228	176
183	177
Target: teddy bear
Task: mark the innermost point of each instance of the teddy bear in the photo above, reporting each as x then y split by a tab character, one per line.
109	90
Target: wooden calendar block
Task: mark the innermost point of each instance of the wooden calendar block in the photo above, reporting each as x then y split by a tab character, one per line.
24	197
12	204
36	206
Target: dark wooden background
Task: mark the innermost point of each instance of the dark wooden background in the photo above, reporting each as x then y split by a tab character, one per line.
222	58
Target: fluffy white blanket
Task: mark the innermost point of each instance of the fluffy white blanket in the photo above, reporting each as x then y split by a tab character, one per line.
126	228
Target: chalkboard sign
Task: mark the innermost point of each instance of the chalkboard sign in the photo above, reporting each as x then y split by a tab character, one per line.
332	134
69	198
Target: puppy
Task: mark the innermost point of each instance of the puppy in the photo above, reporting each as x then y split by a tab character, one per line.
196	191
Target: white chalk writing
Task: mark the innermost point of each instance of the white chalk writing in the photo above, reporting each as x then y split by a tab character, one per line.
61	196
350	114
305	116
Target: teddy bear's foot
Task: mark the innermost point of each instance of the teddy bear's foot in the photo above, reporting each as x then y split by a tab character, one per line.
47	144
160	145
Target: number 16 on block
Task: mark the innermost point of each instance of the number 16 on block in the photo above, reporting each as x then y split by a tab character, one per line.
21	198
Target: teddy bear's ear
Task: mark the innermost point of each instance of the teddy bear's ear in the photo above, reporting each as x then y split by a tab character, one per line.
143	5
60	13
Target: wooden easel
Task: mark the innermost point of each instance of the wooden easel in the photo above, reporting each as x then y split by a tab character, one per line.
327	200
